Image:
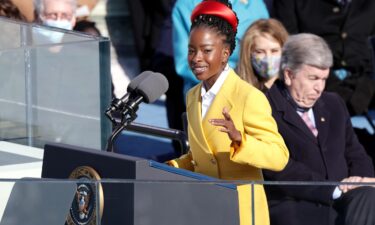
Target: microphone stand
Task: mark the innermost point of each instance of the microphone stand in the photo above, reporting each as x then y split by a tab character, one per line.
127	116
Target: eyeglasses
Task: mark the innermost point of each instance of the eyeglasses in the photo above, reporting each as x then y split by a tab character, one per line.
58	16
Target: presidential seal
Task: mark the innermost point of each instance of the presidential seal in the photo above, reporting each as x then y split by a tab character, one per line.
84	209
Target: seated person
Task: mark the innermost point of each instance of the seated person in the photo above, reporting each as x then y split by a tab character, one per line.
346	25
317	130
261	52
232	134
56	13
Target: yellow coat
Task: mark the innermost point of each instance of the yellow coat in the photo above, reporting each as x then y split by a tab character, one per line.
211	152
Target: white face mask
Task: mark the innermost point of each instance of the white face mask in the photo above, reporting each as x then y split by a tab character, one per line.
44	36
63	24
266	67
51	36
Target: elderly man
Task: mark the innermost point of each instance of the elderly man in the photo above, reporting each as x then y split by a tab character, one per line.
317	130
56	13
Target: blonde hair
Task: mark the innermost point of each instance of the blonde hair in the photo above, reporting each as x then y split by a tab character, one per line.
262	27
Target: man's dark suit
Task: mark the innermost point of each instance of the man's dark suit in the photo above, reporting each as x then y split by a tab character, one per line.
334	155
346	29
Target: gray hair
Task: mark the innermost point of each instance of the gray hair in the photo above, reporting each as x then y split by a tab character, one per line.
305	49
39	5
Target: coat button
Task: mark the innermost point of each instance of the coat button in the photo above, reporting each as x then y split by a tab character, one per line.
213	161
336	9
343	63
194	163
344	35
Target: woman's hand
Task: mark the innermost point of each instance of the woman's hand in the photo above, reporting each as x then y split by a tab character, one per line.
227	126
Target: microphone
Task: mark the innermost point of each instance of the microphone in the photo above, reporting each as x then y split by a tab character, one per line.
148	91
118	103
151	88
146	87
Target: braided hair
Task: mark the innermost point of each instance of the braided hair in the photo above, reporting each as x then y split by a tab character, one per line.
220	25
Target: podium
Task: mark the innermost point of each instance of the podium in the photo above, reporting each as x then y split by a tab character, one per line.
137	191
36	202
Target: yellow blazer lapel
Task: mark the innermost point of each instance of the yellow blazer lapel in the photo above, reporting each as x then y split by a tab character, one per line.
223	99
194	106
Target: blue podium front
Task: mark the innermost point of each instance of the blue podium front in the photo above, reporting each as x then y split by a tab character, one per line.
137	191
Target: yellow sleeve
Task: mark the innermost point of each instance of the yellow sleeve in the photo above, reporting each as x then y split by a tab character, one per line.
262	146
184	162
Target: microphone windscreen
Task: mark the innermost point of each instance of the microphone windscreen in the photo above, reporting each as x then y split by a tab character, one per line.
153	87
137	80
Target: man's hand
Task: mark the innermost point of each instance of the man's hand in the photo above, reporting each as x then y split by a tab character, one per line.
347	187
369	180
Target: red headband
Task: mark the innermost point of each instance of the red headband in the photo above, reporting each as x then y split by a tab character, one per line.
216	9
